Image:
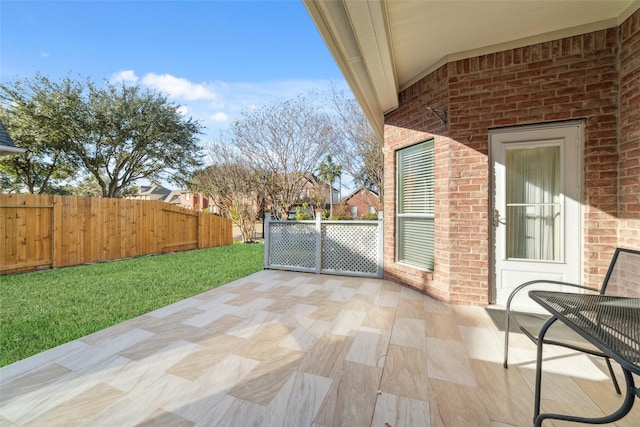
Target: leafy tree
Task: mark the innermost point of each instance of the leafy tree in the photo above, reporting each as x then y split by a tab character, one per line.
329	171
39	170
285	140
87	186
118	134
31	112
6	183
132	134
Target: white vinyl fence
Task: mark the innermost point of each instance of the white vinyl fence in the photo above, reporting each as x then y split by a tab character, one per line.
348	248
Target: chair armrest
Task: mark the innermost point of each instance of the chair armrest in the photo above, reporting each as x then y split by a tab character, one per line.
555	282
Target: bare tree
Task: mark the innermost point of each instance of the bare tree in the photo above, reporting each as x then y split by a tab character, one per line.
236	189
285	141
361	156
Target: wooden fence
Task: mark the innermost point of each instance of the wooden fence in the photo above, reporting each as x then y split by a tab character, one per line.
40	231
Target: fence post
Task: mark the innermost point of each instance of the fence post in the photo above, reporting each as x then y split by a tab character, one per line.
380	269
318	243
267	228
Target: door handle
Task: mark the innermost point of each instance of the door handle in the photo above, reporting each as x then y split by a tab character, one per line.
496	218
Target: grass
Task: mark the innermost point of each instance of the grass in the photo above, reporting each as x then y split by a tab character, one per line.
42	310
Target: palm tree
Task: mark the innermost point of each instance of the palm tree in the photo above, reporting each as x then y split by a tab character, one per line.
329	171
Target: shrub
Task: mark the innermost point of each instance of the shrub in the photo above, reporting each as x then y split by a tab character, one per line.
369	217
302	216
341	218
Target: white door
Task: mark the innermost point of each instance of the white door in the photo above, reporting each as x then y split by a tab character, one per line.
536	199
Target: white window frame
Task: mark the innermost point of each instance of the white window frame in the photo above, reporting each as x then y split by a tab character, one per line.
417	161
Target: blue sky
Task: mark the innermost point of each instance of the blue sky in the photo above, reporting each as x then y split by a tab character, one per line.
216	58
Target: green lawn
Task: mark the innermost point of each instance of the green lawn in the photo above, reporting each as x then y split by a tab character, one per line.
41	310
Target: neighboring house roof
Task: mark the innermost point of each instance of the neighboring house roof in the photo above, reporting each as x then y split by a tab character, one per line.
160	193
314	180
383	47
359	190
7	146
173	197
153	191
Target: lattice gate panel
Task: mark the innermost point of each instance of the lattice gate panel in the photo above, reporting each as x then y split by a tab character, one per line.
292	244
350	248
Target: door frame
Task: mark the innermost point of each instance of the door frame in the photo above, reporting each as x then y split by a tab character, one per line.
580	124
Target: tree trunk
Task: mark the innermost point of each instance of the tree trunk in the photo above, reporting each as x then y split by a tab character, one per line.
330	200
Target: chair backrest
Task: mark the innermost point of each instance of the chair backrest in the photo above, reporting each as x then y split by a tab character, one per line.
623	276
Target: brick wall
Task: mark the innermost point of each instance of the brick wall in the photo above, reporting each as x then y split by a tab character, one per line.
629	178
568	79
410	124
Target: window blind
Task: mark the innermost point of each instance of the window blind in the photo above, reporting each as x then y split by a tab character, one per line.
416	204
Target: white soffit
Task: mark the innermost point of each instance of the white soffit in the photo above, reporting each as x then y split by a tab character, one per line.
429	33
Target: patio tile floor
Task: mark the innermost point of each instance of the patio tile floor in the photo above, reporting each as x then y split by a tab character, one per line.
292	349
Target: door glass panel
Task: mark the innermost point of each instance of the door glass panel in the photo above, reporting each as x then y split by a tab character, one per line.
534	215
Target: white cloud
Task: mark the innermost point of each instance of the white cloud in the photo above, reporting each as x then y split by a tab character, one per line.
179	88
128	76
44	54
215	103
219	117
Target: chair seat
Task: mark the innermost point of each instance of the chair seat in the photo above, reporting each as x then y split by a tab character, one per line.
558	334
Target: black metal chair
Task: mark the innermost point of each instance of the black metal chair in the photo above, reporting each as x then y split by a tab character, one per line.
622	279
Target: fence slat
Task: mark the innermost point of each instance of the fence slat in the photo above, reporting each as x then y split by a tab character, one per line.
40	231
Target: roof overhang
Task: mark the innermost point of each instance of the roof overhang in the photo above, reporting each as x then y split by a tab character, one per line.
7	151
383	47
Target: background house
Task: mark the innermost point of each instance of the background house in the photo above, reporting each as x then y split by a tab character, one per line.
362	201
314	194
151	192
468	97
186	199
194	201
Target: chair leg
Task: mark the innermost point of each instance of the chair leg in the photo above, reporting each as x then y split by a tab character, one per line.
613	375
506	340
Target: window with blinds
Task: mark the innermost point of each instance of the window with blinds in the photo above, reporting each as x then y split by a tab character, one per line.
415	205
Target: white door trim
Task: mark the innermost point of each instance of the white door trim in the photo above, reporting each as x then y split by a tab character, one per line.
517	135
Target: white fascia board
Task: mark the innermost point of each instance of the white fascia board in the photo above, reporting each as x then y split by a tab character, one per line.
7	151
333	23
369	23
